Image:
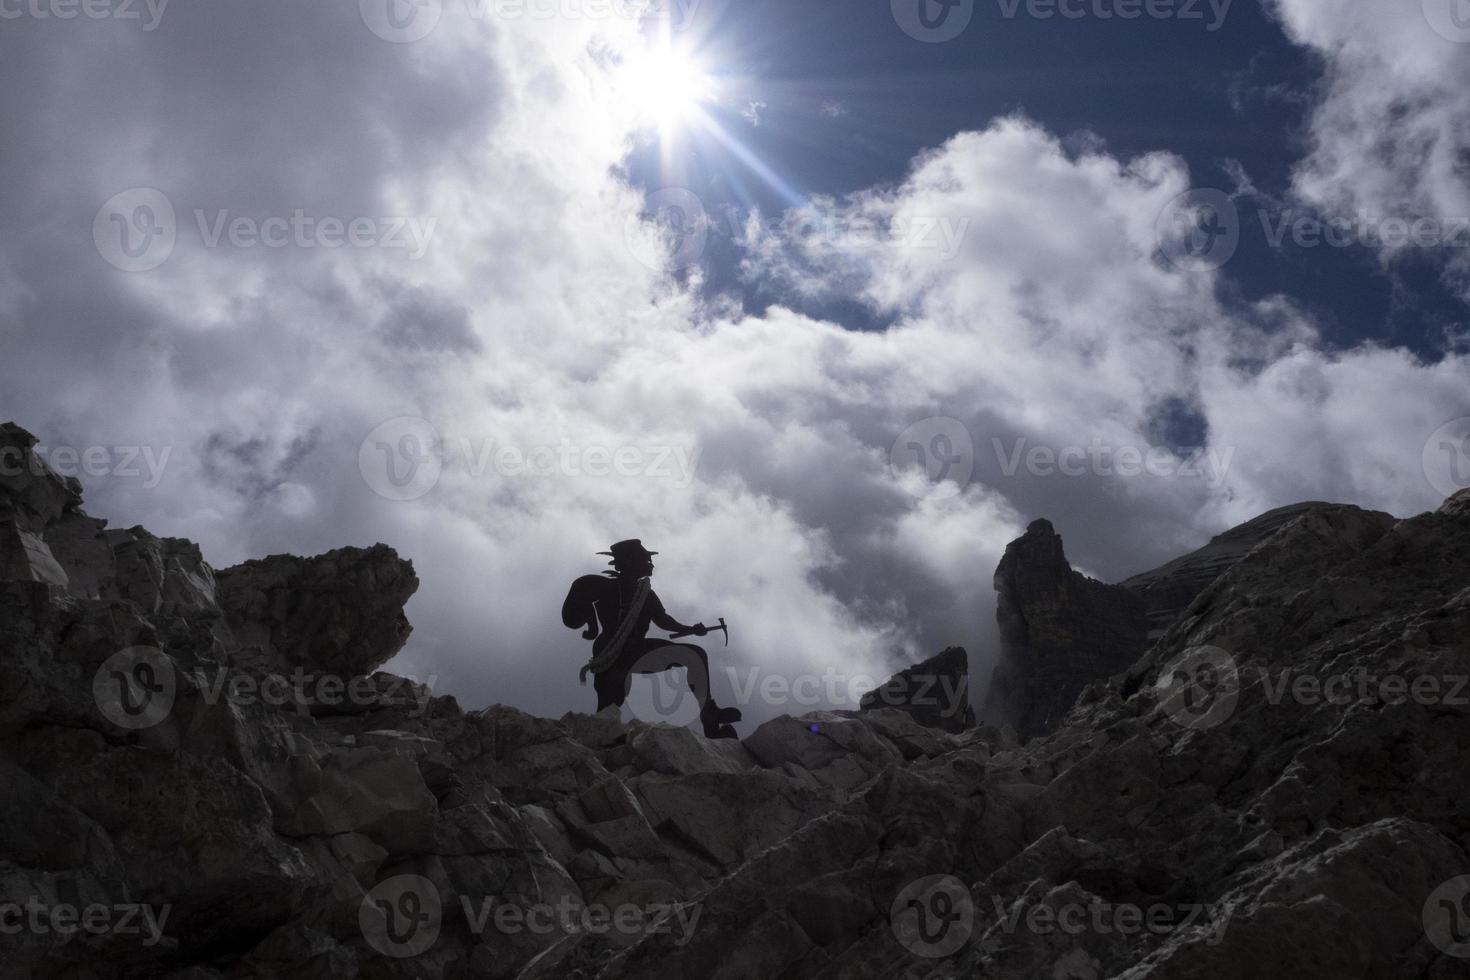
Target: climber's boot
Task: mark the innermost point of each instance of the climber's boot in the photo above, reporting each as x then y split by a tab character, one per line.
717	721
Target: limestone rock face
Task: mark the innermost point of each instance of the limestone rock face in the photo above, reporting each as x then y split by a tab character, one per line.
1273	789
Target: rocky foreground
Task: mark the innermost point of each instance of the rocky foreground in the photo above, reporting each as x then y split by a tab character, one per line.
204	778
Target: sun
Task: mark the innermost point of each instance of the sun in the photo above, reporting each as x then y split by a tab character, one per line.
665	87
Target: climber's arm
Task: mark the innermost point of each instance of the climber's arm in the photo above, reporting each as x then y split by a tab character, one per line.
664	621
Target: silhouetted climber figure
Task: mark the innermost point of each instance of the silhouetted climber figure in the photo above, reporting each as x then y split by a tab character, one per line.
614	611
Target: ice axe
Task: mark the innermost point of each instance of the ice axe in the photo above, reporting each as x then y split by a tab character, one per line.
707	629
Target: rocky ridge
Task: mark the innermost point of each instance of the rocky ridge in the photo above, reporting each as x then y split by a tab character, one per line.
213	749
1061	630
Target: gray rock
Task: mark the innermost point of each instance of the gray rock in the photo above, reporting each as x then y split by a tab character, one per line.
341	612
935	692
1312	826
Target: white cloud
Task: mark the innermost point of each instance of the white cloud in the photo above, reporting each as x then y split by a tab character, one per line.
1030	304
1390	135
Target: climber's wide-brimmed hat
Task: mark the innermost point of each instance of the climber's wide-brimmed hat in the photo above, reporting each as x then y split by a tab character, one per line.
628	551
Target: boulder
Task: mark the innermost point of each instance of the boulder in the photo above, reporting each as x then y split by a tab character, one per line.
341	612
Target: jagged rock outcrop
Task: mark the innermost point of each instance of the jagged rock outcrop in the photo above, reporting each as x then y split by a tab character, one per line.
1060	630
1222	808
934	692
341	612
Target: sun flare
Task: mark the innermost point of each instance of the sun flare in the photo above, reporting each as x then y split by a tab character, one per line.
665	87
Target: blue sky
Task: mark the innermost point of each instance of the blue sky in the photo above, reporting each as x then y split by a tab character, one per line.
846	100
377	270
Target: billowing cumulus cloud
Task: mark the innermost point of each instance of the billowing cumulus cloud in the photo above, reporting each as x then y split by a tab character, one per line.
437	232
1390	134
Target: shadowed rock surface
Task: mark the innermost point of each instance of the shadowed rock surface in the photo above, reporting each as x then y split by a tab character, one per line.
362	827
934	692
1168	590
1061	630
